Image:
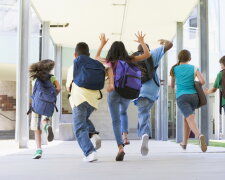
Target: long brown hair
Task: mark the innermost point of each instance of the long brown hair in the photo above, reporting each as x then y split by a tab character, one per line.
41	70
183	56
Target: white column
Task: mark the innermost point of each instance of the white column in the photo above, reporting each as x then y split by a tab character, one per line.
204	61
45	55
179	116
45	40
164	99
22	79
217	115
158	127
58	74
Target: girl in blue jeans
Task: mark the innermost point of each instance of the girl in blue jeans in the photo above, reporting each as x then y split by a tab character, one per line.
117	104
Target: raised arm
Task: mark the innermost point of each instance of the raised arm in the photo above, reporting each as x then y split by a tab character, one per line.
103	43
167	44
146	54
98	57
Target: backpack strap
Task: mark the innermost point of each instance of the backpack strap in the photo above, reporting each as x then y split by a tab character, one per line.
220	109
101	96
29	110
70	89
223	83
148	64
56	108
155	69
34	90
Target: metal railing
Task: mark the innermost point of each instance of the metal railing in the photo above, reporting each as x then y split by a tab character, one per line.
7	117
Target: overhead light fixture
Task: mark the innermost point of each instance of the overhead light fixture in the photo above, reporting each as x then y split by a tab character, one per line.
59	25
116	34
114	4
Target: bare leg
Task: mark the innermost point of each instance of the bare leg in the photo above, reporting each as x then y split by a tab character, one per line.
125	138
37	134
121	148
45	121
193	126
187	132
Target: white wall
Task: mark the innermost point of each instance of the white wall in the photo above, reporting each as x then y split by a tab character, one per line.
7	88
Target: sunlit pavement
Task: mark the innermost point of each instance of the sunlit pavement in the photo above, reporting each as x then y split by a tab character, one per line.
63	160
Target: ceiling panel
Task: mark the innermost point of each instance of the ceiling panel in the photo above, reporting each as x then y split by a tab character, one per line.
89	18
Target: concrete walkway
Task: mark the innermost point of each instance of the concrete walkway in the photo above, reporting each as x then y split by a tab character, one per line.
63	161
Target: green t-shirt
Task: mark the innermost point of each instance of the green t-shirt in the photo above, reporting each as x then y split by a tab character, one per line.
218	85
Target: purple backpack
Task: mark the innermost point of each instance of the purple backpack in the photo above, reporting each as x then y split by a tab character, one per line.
127	80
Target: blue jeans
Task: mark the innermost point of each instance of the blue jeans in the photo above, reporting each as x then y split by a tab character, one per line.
81	127
144	106
118	110
91	128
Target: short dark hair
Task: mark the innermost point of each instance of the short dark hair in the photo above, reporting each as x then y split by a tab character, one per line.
82	49
222	60
140	48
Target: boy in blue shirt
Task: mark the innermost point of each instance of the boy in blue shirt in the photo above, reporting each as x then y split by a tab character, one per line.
148	95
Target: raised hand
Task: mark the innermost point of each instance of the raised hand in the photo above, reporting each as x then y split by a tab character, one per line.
140	37
103	39
161	41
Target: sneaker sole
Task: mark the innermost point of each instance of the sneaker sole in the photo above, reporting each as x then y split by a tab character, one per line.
184	147
86	161
94	160
98	144
144	146
50	134
202	142
37	157
120	156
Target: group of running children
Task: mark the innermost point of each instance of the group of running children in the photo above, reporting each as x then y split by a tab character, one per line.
129	78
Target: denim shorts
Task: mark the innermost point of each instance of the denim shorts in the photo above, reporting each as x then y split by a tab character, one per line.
187	103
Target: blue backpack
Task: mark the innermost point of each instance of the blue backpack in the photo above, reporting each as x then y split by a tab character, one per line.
127	80
44	98
88	73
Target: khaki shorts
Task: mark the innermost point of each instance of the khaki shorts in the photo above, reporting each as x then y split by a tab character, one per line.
37	121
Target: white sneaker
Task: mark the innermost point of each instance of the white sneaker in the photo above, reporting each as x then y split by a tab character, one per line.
144	145
91	157
96	141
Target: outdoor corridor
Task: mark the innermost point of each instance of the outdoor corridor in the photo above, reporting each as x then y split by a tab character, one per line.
62	160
